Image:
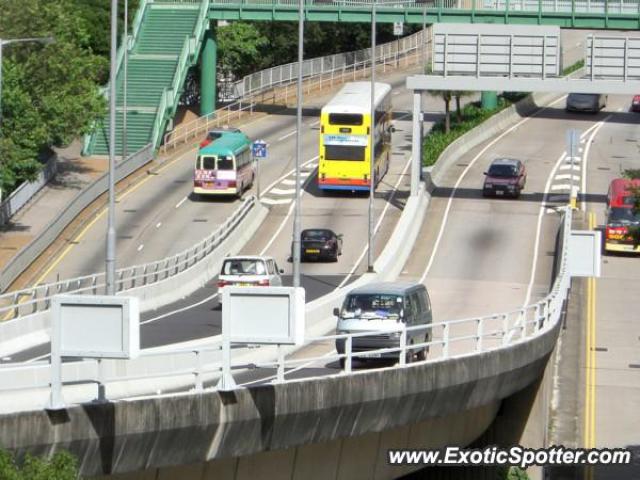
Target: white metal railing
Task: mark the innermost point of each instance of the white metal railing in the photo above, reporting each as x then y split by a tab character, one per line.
319	72
38	298
21	195
444	340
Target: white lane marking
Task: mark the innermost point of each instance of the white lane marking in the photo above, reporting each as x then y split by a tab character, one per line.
181	202
570	167
158	225
35	359
375	229
299	367
586	158
314	124
463	174
536	243
141	247
276	201
568	177
561	186
180	310
290	181
287	135
283	191
584	134
593	129
289	213
266	190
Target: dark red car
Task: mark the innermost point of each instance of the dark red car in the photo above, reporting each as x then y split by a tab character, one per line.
635	103
505	177
215	134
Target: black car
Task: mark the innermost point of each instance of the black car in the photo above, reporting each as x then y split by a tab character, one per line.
320	244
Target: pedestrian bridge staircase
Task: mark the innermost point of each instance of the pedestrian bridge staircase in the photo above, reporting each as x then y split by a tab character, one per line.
164	43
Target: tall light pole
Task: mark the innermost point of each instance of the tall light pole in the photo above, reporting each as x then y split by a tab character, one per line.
372	146
125	65
42	40
111	231
296	214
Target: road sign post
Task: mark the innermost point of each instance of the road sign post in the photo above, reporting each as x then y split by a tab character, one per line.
258	151
573	142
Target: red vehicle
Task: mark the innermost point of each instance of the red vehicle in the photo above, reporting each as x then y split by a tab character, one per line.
216	133
621	215
635	103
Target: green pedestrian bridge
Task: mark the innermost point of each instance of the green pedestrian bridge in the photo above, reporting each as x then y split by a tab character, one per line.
169	37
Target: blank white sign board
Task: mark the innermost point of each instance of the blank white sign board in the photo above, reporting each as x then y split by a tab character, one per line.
263	315
95	326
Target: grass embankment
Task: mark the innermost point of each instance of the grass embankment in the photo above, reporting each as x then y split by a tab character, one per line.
472	115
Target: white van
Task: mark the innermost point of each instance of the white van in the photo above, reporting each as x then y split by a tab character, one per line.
382	308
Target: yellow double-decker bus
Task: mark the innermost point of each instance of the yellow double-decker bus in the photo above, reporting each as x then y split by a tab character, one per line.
346	137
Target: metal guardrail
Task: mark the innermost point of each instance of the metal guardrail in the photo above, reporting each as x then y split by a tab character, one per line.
38	245
471	336
38	298
21	195
578	6
319	71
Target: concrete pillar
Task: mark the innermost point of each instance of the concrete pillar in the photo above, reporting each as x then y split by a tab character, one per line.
489	100
416	143
208	59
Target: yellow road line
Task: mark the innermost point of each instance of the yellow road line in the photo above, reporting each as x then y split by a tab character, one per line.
590	376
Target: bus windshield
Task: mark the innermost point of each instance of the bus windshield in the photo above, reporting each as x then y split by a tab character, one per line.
623	215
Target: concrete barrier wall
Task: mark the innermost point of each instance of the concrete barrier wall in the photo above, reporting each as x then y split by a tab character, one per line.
185	429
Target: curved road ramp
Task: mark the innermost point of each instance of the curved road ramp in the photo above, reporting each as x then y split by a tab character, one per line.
323	425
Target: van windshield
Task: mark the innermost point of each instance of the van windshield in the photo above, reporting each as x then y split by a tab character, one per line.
370	306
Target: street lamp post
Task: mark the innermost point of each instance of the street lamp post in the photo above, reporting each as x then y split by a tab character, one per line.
111	231
125	66
43	40
372	147
296	215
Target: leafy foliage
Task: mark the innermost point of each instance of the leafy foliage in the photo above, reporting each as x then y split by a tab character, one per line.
439	139
240	47
62	466
49	93
572	68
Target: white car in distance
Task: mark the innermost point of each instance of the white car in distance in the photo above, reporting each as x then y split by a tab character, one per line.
249	271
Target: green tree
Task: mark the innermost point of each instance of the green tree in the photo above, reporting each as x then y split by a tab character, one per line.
239	48
446	96
62	466
49	91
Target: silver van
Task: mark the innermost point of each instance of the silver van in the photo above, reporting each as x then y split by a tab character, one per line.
586	102
381	308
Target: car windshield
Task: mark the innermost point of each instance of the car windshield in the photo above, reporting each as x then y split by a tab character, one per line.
501	170
370	306
584	97
318	235
623	215
243	266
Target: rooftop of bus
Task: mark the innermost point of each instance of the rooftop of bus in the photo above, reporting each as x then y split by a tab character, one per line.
619	191
355	97
231	141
